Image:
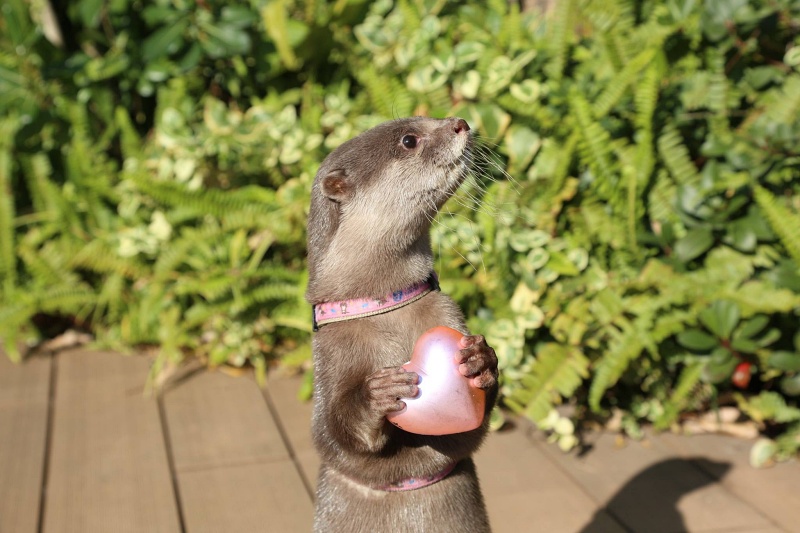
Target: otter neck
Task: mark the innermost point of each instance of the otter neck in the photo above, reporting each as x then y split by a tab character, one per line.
353	269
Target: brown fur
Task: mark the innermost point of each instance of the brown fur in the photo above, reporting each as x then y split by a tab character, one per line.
368	234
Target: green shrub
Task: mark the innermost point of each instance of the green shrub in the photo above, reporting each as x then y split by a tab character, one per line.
644	252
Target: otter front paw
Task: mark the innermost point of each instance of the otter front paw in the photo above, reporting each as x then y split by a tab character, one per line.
387	386
477	361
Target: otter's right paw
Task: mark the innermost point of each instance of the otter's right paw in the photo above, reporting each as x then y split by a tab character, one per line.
386	386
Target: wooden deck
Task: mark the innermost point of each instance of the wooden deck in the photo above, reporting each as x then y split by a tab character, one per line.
83	450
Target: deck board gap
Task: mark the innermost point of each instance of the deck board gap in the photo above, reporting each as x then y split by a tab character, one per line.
171	463
287	442
48	439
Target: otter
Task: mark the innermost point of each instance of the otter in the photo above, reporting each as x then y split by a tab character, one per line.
372	204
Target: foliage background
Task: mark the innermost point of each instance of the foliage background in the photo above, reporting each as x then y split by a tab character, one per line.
643	259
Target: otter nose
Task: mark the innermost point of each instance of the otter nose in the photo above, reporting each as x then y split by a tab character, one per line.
461	126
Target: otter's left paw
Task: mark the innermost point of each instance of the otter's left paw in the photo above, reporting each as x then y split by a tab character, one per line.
477	361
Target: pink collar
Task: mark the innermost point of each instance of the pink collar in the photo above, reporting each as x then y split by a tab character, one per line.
330	312
413	483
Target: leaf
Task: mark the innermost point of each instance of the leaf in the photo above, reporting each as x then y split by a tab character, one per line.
790	385
561	264
786	361
164	41
719	366
491	120
768	406
522	241
522	143
763	453
226	40
750	328
276	23
721	317
694	244
697	340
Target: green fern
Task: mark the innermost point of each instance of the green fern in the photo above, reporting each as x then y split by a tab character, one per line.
688	380
98	257
388	96
617	86
624	347
676	157
559	37
785	223
558	370
785	104
8	263
265	293
595	145
253	199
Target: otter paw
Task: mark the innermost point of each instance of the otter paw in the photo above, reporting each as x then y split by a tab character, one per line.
478	361
387	386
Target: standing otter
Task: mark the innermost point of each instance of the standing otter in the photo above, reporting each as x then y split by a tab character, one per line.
369	255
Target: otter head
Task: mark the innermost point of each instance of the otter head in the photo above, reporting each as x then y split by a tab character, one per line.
373	201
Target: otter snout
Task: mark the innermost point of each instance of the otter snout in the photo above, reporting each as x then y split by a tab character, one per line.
461	126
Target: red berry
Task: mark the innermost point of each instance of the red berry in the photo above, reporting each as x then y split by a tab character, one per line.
741	376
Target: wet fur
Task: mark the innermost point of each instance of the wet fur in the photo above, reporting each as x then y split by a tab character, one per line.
368	234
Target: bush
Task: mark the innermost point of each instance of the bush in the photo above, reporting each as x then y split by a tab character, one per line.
643	258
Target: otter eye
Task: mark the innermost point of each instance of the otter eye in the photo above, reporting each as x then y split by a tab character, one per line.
409	141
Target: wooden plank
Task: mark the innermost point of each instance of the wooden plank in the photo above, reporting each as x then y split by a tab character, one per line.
24	397
525	491
216	420
295	419
649	490
234	472
108	468
253	498
773	491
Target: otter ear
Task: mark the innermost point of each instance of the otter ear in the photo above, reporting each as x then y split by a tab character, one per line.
336	186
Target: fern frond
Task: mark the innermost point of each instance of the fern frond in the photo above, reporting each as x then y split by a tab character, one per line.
37	170
263	294
8	261
645	96
212	285
625	346
46	265
558	370
388	96
785	106
785	223
215	202
621	81
688	380
511	27
561	171
560	34
595	145
67	300
660	200
718	85
676	157
412	20
97	256
110	300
